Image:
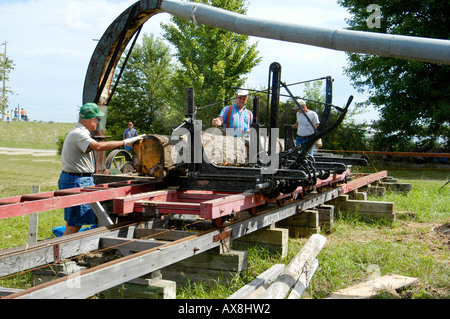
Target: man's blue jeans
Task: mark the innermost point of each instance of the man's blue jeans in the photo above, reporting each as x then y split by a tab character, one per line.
77	215
300	140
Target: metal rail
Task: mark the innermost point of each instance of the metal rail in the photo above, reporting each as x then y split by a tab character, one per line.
444	155
47	252
33	203
151	255
102	277
126	194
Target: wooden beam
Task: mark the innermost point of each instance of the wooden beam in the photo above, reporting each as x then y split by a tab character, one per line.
368	209
162	233
42	253
102	215
129	246
102	277
8	291
113	273
371	288
263	280
288	278
33	223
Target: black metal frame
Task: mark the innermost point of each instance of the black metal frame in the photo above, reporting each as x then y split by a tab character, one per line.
295	167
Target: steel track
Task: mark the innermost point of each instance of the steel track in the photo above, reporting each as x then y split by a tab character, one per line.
145	255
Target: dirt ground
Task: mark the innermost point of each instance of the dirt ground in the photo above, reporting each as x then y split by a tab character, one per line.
436	236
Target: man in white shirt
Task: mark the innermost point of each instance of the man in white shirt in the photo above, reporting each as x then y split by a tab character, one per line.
303	126
78	165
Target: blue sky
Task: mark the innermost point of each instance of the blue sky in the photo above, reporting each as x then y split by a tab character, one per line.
51	43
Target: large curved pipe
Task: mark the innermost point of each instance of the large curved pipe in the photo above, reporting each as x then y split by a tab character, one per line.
388	45
107	53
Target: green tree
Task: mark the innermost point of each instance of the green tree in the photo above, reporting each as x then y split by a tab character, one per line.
413	97
144	93
212	60
6	65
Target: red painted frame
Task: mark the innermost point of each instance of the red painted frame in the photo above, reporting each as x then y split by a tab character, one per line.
206	204
34	203
137	195
212	205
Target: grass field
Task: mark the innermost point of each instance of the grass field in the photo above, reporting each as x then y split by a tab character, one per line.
19	172
411	246
33	135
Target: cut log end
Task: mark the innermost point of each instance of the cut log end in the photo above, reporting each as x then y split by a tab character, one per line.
149	156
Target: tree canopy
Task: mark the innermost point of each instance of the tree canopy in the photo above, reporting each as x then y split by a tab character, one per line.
212	60
413	97
152	89
6	65
144	93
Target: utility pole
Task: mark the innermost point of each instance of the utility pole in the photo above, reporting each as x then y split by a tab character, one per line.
4	84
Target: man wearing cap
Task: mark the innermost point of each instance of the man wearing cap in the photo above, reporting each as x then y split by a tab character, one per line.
128	133
78	164
236	116
303	126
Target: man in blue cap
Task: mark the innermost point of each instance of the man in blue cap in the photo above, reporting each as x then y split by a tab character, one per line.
78	164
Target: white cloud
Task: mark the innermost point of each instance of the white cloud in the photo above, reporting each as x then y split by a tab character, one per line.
73	16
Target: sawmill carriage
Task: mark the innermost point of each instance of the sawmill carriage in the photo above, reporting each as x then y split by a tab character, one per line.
259	162
192	159
272	168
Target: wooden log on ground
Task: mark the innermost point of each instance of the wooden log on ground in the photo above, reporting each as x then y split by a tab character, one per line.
263	280
289	277
304	280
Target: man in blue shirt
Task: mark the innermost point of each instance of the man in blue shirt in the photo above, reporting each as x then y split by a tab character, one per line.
236	116
128	133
